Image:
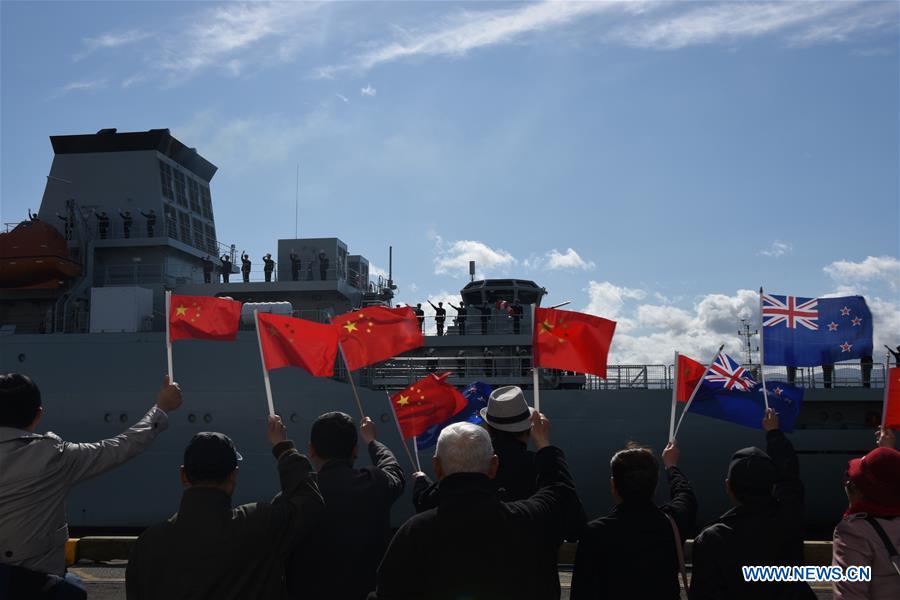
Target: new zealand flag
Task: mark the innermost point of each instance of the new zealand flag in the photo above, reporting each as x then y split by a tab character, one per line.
808	332
476	395
747	407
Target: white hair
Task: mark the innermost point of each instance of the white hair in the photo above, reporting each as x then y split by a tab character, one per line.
464	448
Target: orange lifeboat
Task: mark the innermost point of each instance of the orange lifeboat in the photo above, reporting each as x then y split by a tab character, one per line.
35	255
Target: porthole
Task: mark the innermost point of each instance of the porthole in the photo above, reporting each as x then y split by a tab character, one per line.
107	417
22	357
207	418
123	418
295	418
192	418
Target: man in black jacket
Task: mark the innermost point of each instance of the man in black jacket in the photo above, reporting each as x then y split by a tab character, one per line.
209	549
474	545
765	527
633	552
338	561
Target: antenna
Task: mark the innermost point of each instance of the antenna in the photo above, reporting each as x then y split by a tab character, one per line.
297	205
472	270
745	334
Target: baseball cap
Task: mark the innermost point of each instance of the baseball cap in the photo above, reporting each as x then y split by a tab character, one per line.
752	473
210	456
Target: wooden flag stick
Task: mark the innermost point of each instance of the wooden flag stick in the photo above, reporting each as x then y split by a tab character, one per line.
352	383
694	392
674	400
262	360
535	373
413	461
762	363
169	335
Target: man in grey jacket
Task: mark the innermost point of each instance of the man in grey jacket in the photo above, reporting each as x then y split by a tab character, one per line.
37	470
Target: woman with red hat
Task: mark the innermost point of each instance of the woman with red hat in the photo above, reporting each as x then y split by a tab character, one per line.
869	533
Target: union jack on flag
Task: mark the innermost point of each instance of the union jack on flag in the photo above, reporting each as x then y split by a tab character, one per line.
790	310
726	373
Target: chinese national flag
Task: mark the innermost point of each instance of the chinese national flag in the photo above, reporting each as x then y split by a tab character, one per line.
377	333
892	399
290	342
690	372
203	317
427	402
572	341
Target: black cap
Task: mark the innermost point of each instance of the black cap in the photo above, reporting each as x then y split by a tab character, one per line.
210	456
752	473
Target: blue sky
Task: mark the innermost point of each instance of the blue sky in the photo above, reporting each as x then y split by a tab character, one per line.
653	162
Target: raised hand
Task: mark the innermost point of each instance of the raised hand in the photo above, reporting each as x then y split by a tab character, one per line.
169	396
671	454
540	430
277	433
367	430
885	438
770	420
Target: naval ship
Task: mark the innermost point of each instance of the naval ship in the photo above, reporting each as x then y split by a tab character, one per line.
126	217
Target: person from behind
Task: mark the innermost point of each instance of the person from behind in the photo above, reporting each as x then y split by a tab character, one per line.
340	556
209	549
605	565
869	533
764	527
37	470
420	315
429	556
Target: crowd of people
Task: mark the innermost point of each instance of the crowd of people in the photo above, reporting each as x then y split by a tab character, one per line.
489	528
211	271
513	310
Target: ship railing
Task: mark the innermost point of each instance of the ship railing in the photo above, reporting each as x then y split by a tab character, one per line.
845	374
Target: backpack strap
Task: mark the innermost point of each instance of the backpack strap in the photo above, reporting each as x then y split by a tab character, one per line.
679	551
889	546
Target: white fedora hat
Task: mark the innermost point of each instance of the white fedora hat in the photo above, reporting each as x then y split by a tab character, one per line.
507	410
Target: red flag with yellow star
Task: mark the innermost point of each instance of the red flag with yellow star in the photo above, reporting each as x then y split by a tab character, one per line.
427	402
690	372
290	342
377	333
572	341
203	317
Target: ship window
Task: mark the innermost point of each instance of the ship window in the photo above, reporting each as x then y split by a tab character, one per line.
207	203
171	225
165	179
180	193
184	223
198	234
194	195
211	246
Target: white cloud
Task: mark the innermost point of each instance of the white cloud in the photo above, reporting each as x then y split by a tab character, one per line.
80	86
110	40
802	23
468	30
368	91
882	269
777	249
375	272
454	257
568	260
342	97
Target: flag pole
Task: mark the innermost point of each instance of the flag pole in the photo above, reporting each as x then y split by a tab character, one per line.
762	346
352	383
674	400
696	389
262	360
887	383
168	334
414	461
535	375
416	453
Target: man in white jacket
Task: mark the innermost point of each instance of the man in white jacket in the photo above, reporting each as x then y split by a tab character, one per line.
38	469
